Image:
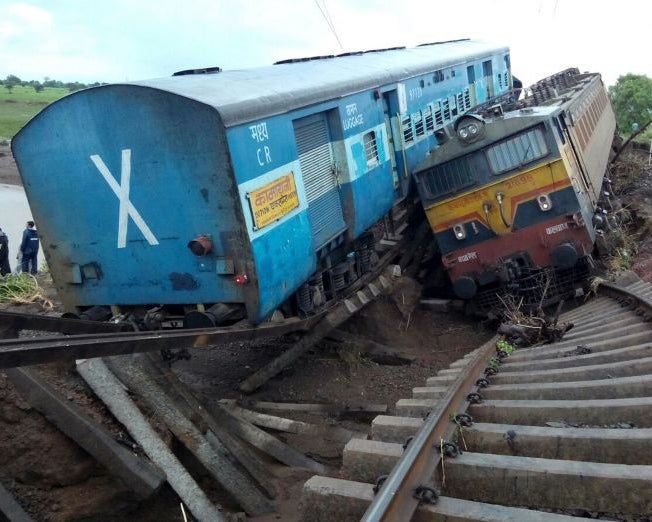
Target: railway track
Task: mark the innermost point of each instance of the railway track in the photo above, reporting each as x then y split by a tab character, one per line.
560	431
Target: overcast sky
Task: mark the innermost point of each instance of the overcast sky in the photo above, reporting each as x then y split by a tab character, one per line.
118	40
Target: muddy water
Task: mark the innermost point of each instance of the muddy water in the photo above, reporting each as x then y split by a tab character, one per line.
14	213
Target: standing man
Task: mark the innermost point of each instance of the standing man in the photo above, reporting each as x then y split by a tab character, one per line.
29	249
4	254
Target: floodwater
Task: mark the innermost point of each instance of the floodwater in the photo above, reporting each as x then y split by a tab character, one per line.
14	213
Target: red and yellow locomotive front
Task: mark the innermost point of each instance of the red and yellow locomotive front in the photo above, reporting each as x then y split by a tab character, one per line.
506	205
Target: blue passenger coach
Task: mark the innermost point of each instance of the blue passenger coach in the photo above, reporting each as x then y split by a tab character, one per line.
238	187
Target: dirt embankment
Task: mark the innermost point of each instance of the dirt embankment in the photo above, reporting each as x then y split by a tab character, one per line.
55	480
8	170
632	182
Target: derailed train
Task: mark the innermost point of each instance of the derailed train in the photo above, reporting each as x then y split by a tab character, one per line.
215	195
513	197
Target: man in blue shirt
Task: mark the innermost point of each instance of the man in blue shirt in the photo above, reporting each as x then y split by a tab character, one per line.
29	249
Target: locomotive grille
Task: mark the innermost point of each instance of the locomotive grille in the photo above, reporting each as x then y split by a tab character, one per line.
558	284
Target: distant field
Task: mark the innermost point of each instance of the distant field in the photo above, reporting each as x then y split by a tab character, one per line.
19	106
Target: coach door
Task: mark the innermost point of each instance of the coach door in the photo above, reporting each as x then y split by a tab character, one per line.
390	133
488	75
470	79
319	178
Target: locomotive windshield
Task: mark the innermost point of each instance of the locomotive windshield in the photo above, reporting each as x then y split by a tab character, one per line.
500	158
516	151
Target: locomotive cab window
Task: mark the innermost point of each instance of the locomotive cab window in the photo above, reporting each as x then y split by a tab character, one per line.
516	151
370	148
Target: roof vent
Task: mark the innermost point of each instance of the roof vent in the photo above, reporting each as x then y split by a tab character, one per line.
384	49
306	59
205	70
444	42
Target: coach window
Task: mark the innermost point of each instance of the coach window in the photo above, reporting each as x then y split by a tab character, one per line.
467	99
370	148
446	110
430	126
417	118
439	118
460	102
408	135
470	73
453	106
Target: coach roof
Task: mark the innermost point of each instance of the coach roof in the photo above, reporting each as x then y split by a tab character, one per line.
244	95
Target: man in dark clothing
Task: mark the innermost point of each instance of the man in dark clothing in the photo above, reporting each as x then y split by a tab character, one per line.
4	254
29	249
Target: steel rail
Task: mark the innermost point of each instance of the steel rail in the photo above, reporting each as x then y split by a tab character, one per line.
615	291
25	352
21	321
396	500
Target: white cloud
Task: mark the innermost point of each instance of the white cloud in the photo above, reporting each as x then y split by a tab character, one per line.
22	19
119	39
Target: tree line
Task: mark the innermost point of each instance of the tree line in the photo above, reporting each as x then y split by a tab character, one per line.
12	81
631	98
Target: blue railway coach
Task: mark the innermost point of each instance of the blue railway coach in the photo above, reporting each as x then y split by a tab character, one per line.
235	188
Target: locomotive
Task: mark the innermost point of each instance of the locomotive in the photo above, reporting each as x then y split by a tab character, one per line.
513	192
221	195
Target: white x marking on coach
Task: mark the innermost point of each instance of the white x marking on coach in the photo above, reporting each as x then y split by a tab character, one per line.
122	192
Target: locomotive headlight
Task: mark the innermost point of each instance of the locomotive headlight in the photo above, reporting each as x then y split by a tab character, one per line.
544	202
459	231
469	128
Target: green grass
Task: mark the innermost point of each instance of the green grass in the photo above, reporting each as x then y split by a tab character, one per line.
22	104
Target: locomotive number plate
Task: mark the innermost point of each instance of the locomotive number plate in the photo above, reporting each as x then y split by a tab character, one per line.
273	201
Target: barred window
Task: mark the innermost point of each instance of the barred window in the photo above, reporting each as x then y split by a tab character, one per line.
516	151
430	126
417	118
438	76
446	110
449	177
467	99
370	148
408	135
439	118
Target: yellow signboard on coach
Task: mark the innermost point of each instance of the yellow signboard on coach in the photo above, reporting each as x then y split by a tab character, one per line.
273	201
